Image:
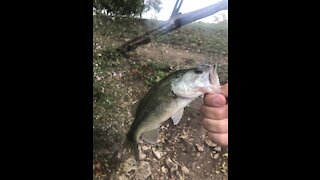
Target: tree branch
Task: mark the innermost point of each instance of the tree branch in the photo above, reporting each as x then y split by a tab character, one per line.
176	8
173	24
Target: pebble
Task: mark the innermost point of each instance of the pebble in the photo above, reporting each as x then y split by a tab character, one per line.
185	170
209	143
156	153
217	148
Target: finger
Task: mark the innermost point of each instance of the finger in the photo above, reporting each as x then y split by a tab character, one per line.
216	113
214	100
220	139
216	126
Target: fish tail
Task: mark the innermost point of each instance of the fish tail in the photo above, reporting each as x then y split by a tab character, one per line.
133	145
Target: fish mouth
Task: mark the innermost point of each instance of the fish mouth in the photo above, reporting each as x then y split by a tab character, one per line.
214	78
211	79
211	74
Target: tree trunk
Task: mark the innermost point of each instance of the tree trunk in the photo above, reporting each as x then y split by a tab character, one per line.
172	24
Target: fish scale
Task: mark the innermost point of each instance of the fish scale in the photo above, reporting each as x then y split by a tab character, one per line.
168	98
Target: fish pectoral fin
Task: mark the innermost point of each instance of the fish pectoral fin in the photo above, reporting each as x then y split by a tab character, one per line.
177	116
151	136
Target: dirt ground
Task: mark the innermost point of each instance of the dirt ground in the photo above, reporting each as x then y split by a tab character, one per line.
183	151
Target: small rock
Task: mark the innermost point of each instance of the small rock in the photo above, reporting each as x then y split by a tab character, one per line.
142	156
225	155
217	148
164	169
174	169
171	165
224	166
216	156
161	140
209	143
183	136
156	153
122	177
143	171
169	162
144	148
128	165
185	170
179	176
199	148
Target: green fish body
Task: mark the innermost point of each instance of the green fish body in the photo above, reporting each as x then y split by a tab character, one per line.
167	99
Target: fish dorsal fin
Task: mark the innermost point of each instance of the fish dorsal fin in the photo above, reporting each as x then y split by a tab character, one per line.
177	116
151	136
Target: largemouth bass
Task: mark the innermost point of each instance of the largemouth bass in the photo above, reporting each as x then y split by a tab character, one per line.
167	99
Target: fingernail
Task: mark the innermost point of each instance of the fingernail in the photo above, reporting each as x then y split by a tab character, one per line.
218	100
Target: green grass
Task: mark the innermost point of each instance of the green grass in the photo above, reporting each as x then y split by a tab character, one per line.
199	36
208	38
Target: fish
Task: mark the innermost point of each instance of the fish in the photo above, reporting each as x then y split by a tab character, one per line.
167	99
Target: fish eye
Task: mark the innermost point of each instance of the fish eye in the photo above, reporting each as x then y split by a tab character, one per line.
198	71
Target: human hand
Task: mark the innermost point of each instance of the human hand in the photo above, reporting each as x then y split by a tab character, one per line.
215	116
